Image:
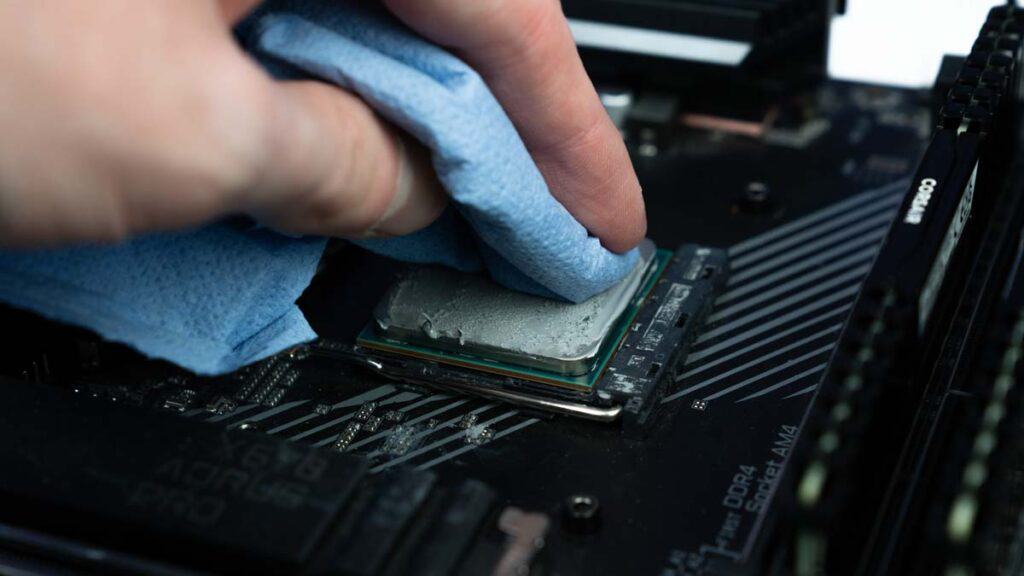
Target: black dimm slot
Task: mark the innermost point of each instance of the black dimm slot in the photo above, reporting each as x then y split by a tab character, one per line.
852	435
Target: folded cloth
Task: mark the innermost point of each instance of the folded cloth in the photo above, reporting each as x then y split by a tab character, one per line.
516	229
210	300
219	297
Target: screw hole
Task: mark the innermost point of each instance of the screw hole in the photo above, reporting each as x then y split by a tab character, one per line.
583	506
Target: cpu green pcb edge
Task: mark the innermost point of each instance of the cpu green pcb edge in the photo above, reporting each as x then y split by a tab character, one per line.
369	338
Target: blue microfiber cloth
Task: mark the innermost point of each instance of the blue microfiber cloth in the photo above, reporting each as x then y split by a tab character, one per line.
211	300
516	229
219	297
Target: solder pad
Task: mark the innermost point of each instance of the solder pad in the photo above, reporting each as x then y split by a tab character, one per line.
373	337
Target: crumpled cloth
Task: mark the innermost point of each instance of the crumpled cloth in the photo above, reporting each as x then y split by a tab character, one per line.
219	297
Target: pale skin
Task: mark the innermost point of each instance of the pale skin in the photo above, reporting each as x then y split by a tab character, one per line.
120	117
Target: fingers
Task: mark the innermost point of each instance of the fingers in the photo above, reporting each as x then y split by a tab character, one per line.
147	120
334	168
525	52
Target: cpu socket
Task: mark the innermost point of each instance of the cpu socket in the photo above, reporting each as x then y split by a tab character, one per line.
605	359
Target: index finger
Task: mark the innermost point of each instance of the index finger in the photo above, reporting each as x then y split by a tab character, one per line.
525	52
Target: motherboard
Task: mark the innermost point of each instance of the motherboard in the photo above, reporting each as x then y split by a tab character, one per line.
814	374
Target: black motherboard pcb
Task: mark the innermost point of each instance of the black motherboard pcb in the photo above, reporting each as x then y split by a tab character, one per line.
685	494
816	374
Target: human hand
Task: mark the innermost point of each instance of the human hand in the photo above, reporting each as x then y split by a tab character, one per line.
524	51
121	119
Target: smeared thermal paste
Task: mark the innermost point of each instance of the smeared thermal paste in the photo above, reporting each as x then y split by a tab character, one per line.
450	310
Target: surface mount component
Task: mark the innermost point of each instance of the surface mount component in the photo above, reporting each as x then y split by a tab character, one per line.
226	501
469	314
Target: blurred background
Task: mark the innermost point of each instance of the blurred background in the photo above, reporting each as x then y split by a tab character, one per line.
901	42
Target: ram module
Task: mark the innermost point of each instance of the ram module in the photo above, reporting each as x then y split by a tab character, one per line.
845	462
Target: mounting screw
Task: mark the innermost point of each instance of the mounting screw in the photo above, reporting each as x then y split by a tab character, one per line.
757	192
582	514
756	198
